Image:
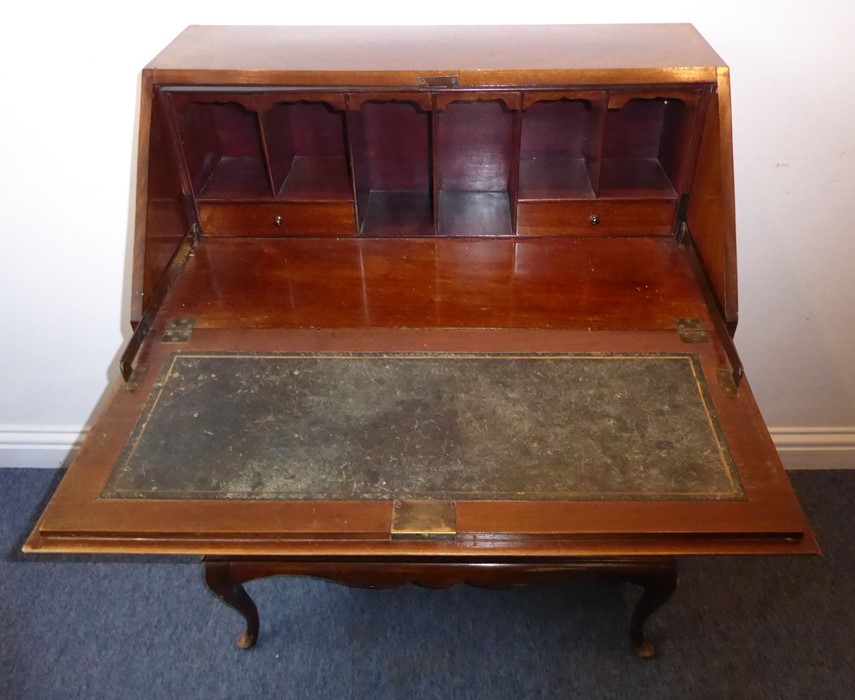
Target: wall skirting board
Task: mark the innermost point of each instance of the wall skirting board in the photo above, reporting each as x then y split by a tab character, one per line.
47	446
40	446
816	448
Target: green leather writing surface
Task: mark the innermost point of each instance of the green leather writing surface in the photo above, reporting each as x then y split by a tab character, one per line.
427	426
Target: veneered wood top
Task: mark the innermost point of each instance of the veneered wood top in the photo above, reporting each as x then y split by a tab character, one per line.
479	55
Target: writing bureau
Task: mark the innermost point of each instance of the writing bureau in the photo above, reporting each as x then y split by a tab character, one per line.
432	305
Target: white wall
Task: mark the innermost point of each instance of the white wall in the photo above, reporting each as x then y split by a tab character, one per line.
67	131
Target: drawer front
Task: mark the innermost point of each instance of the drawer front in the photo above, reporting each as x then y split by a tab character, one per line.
597	217
282	219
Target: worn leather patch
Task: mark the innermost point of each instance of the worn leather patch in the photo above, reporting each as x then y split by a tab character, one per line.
428	426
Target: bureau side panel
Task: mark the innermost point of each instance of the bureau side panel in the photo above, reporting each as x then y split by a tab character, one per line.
711	213
161	216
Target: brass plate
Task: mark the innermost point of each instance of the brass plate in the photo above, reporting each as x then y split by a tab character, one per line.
430	520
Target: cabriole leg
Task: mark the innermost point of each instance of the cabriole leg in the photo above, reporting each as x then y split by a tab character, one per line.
218	576
659	585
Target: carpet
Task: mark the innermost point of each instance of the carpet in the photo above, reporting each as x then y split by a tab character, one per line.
752	627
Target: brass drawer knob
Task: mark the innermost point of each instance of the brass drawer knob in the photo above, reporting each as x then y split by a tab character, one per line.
277	221
594	219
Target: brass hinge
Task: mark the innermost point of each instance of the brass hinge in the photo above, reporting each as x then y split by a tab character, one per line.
179	330
726	382
691	330
136	377
681	227
424	520
682	232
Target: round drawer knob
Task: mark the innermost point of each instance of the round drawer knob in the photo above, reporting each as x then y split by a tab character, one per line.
277	221
594	219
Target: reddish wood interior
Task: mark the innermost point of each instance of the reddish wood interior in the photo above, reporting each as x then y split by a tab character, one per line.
306	148
476	160
391	153
582	283
559	150
223	151
644	144
423	164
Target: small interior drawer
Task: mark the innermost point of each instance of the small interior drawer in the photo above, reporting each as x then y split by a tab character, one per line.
280	219
595	217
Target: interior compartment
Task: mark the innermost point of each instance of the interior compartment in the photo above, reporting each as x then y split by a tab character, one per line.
308	156
476	164
644	148
454	163
559	150
391	151
223	150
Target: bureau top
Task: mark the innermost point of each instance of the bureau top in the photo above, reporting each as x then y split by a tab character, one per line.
495	55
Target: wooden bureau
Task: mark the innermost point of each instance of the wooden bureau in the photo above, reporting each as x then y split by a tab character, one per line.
432	305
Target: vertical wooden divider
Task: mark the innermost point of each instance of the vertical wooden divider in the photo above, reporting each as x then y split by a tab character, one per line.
434	162
255	104
596	126
349	119
514	166
351	168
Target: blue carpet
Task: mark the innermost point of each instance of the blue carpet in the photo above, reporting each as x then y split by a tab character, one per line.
763	627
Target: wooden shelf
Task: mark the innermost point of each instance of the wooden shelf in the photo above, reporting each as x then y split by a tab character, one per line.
391	155
646	145
476	157
560	145
317	179
223	150
474	214
397	214
641	178
236	178
305	147
554	178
